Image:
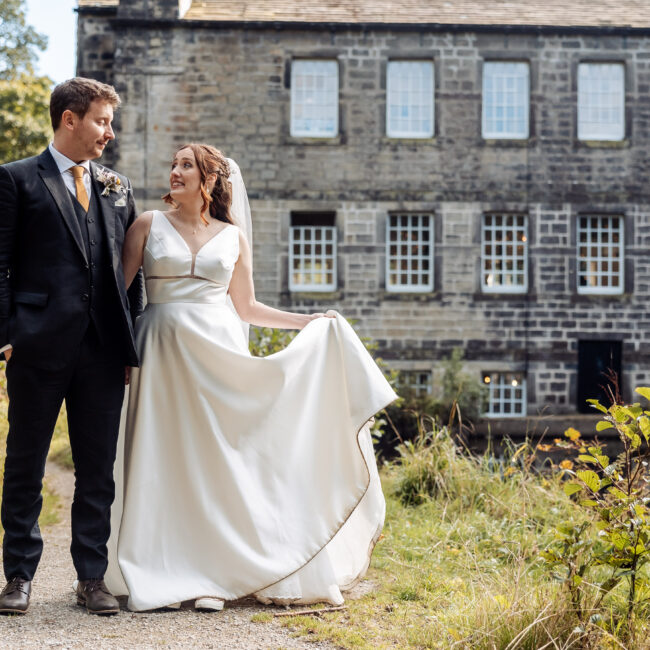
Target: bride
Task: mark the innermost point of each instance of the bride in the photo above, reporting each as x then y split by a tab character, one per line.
237	475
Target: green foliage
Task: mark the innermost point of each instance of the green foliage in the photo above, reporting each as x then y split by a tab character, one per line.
24	116
24	97
463	396
610	548
264	341
18	40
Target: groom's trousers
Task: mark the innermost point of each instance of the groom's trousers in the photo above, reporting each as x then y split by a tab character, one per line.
92	385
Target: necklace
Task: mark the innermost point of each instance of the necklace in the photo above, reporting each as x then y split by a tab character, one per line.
194	227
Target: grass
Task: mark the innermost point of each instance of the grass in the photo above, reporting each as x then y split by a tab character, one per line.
459	566
60	451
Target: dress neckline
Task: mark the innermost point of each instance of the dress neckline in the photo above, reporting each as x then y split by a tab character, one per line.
187	246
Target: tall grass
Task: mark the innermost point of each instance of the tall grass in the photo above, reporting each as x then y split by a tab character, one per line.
459	564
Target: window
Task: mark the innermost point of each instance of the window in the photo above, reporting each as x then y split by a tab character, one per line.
416	381
409	99
314	99
504	256
600	254
409	252
505	100
312	252
601	101
506	394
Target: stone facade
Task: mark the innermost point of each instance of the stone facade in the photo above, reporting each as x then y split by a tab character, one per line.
229	85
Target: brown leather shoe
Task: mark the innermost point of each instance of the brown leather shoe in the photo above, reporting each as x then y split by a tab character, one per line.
14	598
96	598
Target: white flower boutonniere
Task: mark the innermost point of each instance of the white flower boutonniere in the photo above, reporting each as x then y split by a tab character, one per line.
111	183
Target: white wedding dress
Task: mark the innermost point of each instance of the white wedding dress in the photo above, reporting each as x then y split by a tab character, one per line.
240	475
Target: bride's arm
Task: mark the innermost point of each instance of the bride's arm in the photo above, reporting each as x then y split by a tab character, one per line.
249	309
134	243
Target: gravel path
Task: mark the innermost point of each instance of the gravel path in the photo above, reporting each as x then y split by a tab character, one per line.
55	621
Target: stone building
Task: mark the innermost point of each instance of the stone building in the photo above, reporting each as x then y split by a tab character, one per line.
448	173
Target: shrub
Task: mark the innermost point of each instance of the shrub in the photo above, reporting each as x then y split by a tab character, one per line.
612	549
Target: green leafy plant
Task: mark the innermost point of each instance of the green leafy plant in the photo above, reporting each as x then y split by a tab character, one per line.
264	341
612	547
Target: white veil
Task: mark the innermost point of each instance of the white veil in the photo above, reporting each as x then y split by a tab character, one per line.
240	212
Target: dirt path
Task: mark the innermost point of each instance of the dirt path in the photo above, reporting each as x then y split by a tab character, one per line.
55	621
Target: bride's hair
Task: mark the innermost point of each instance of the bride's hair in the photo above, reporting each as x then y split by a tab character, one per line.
210	160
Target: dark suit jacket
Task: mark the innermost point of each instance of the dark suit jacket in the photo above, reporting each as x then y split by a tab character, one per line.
43	265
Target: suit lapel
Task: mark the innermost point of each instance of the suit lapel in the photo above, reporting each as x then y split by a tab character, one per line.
107	212
51	176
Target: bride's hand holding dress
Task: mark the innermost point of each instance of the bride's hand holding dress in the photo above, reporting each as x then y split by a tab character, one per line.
239	475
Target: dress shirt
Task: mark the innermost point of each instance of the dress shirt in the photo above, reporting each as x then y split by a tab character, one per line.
65	166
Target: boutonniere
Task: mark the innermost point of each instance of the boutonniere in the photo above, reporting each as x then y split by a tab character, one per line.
111	183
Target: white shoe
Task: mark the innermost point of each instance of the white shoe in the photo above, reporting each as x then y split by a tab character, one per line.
209	604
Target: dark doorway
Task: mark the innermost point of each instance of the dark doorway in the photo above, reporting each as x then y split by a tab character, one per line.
595	361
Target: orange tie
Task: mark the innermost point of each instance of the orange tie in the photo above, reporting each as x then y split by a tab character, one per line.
80	188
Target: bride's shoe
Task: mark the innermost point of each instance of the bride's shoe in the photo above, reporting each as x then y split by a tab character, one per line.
209	604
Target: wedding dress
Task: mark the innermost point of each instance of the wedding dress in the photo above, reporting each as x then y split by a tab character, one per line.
240	475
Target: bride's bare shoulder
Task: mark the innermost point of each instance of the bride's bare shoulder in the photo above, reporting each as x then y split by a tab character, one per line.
142	225
243	241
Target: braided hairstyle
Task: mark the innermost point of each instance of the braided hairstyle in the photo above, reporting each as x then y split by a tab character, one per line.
210	160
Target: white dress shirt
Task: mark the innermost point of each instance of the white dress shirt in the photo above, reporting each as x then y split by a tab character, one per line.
65	166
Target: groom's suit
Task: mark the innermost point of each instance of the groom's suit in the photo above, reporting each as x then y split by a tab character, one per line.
65	311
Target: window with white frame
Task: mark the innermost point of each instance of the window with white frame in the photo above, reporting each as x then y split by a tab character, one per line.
314	98
601	101
504	253
416	381
409	252
600	254
506	89
506	394
312	252
409	99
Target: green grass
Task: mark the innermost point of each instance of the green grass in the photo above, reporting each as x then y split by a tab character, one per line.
461	569
60	451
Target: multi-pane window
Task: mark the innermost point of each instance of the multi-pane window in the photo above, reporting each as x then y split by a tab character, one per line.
417	382
504	253
409	99
506	394
601	101
314	98
409	252
600	254
312	252
506	89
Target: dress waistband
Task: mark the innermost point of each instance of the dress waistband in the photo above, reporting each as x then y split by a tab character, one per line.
185	289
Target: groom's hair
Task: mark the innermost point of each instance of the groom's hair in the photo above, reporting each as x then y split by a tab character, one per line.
76	95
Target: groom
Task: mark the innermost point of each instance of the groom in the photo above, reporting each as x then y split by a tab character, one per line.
66	328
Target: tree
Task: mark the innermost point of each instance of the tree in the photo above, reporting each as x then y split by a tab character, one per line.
18	40
24	97
24	116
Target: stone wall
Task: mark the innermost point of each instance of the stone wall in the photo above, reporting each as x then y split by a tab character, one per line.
184	81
